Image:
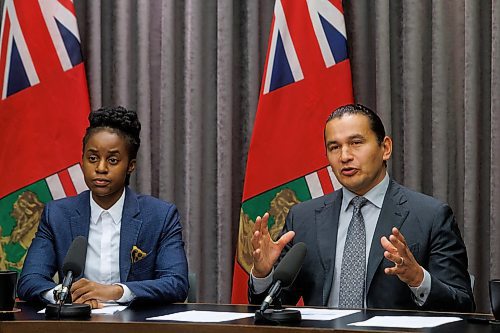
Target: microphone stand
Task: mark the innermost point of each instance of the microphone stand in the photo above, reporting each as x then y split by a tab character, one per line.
60	303
64	308
62	295
277	315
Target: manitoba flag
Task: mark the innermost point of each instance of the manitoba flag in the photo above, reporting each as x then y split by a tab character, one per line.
44	106
306	76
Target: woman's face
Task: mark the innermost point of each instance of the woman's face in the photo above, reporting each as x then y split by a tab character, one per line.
106	164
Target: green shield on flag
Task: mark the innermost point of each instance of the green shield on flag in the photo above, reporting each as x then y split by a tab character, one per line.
20	214
277	202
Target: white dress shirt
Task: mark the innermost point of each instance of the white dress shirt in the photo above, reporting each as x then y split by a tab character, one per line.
371	212
102	264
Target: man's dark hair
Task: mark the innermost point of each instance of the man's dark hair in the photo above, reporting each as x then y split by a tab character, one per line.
119	120
376	124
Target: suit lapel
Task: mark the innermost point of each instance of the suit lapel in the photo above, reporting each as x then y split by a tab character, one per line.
393	214
327	221
80	221
129	231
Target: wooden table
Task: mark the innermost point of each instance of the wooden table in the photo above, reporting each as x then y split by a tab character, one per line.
132	320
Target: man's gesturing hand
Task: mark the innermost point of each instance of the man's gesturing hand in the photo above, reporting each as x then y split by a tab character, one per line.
406	267
265	250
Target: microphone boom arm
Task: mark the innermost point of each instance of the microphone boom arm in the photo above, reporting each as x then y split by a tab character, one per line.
273	292
65	290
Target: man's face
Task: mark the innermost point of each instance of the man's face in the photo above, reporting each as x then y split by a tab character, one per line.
356	157
105	166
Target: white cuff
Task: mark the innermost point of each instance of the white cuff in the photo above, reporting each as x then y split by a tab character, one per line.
261	284
49	295
422	292
127	296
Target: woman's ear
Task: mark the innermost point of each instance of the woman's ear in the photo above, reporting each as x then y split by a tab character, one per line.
131	166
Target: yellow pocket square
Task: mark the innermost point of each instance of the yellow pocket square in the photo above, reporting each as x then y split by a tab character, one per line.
137	254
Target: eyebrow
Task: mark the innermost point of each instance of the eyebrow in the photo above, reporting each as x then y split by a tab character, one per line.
356	136
112	151
352	137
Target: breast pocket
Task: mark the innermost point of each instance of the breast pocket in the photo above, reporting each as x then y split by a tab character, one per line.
143	269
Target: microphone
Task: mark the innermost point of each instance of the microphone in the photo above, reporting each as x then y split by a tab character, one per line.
285	273
73	266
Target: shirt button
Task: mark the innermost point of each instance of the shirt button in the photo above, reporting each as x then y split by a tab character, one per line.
422	295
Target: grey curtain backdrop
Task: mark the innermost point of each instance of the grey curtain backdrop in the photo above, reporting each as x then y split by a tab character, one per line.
192	69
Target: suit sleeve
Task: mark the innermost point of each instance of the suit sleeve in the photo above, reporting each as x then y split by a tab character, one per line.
40	264
450	280
170	282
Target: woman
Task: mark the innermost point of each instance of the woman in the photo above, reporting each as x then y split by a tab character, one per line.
135	250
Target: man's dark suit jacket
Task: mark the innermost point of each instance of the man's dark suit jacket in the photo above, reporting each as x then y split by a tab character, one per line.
150	224
431	234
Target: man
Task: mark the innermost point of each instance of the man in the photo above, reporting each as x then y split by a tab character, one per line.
135	249
372	243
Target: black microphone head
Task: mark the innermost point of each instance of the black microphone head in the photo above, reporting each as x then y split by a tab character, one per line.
75	258
289	267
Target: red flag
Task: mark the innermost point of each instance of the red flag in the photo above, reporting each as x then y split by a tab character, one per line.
307	75
44	106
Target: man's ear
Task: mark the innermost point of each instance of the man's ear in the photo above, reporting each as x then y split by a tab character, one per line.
131	166
387	144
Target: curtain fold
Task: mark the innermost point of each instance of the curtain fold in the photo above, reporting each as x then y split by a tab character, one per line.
494	220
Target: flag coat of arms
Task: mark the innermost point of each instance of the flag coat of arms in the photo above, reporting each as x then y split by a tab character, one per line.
306	76
44	106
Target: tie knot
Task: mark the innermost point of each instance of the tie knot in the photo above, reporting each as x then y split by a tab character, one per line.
358	202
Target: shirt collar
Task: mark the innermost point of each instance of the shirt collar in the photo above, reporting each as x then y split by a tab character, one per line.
115	211
375	195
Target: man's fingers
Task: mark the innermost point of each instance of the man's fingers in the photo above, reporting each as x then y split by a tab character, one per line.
396	234
399	235
256	255
256	240
387	245
263	224
256	226
400	246
396	259
396	270
285	239
391	270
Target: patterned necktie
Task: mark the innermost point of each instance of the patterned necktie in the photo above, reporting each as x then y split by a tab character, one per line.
352	274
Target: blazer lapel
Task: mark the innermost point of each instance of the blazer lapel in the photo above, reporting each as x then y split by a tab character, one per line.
327	221
129	231
393	214
80	221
